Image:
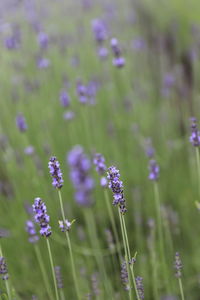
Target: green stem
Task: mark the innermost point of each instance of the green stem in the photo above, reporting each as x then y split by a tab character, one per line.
52	268
43	271
113	224
70	248
181	289
129	257
126	254
62	296
198	167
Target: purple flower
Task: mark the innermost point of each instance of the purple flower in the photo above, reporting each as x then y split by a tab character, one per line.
140	287
30	229
99	162
11	43
104	182
80	166
21	123
118	60
59	279
178	265
103	52
43	63
43	40
124	276
41	217
65	225
69	115
154	170
81	92
99	30
116	185
29	150
64	98
195	133
55	171
3	268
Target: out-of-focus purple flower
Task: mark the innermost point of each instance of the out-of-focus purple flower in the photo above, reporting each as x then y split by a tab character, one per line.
65	225
55	171
11	43
99	30
154	170
69	115
195	133
80	166
103	52
116	185
178	265
3	268
118	60
95	284
81	92
43	40
59	279
29	150
140	287
64	98
30	229
99	162
124	276
169	81
21	123
43	63
104	182
41	217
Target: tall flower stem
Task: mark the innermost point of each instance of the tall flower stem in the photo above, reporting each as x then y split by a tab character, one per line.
113	224
126	253
43	271
62	296
181	289
6	281
129	256
198	167
70	248
160	233
52	268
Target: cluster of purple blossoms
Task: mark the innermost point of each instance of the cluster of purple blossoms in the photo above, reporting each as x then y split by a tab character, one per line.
55	171
3	268
43	63
154	170
41	217
118	60
64	98
58	275
30	229
140	287
116	185
100	34
178	265
124	276
21	123
80	166
99	162
65	225
43	40
86	93
195	133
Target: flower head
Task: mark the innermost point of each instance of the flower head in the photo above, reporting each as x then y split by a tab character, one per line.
116	185
195	133
65	225
30	229
140	287
55	171
154	170
21	123
178	265
64	98
3	268
41	217
59	279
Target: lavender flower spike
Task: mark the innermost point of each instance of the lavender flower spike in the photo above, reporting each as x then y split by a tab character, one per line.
21	123
99	162
55	171
59	279
3	268
195	134
154	170
116	185
178	265
30	229
41	217
140	287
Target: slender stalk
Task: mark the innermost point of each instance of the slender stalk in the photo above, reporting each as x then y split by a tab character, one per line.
43	271
126	253
52	269
113	224
181	289
160	233
198	167
129	256
62	296
70	248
